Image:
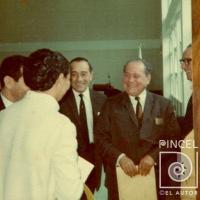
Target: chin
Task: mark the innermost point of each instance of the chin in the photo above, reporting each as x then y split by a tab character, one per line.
189	77
80	89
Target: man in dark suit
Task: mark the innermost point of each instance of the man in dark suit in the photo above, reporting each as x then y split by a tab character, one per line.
186	123
12	83
130	127
81	75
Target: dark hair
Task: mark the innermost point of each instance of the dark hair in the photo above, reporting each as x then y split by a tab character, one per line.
12	66
147	65
79	59
40	53
43	68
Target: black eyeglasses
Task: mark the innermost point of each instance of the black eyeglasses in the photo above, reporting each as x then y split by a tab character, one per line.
185	61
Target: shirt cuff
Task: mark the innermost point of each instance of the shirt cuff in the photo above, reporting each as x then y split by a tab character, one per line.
118	159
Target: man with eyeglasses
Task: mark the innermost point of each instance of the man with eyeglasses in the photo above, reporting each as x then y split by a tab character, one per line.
186	124
186	65
186	62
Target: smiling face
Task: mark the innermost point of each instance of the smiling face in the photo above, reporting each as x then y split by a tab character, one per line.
186	63
135	79
80	75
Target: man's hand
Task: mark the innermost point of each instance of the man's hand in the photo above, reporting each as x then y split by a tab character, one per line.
145	165
128	166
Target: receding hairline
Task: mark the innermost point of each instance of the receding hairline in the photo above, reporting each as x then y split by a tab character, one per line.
147	67
78	61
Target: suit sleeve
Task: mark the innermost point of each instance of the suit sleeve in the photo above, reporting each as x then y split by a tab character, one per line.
103	137
65	164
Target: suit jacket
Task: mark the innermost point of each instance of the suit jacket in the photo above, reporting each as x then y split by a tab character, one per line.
69	108
118	132
186	122
38	157
1	104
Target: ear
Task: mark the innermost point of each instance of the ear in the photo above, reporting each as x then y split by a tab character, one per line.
61	76
91	76
8	82
59	80
149	78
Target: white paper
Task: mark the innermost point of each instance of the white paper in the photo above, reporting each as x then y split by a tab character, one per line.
137	187
85	167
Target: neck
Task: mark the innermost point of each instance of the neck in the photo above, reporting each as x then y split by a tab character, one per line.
8	95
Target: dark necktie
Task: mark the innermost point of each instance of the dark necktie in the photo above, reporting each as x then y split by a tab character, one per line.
139	113
83	119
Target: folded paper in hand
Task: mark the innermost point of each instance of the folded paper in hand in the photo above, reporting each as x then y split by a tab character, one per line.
137	187
85	168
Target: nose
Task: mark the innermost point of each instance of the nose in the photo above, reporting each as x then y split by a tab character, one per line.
183	66
79	78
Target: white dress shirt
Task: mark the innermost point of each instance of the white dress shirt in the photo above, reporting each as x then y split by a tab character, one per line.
6	102
88	108
38	157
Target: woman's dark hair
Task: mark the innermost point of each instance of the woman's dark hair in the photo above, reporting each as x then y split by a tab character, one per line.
43	67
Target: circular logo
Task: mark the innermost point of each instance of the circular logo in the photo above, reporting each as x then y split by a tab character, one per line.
182	169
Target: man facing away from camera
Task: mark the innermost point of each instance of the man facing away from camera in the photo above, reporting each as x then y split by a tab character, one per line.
12	83
38	157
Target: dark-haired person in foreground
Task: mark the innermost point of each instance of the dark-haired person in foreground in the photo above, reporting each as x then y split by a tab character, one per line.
12	84
81	76
38	157
130	127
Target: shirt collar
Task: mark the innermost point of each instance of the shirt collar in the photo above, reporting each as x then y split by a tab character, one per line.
6	102
86	93
142	96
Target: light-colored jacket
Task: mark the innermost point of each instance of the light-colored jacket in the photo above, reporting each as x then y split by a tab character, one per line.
38	157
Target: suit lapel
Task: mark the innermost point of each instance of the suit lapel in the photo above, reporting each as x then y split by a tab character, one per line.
148	107
95	106
73	106
147	117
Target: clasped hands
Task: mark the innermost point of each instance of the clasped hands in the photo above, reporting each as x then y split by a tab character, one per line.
131	169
